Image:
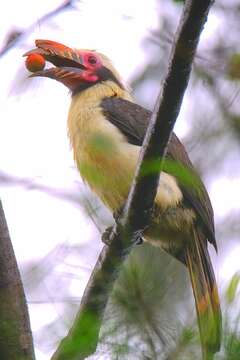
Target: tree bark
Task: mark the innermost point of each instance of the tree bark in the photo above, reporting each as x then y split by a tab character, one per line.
15	333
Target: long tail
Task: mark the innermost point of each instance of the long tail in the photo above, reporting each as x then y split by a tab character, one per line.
205	294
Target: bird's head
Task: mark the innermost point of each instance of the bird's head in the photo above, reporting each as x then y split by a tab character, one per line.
76	69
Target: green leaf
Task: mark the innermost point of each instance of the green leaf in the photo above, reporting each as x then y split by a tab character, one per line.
233	70
187	336
232	346
185	175
232	288
82	340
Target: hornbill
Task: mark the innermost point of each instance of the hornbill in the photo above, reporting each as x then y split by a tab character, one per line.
106	130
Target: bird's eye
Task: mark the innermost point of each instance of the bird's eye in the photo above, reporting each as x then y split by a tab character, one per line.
92	60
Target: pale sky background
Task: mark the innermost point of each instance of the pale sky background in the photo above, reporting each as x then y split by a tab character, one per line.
33	140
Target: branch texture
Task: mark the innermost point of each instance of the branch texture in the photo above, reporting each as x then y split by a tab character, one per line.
15	333
83	337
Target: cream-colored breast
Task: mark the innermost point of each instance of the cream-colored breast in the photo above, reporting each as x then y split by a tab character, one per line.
104	158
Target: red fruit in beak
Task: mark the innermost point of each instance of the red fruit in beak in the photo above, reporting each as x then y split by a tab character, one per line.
35	62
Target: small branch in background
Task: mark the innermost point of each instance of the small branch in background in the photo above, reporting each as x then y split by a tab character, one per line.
72	196
31	184
16	35
16	338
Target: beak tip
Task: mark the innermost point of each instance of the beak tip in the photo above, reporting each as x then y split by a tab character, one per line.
36	74
32	76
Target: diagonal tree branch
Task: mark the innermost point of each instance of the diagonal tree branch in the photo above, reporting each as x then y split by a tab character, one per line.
15	333
83	336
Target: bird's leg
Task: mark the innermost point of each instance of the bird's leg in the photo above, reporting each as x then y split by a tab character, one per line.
105	236
108	230
116	215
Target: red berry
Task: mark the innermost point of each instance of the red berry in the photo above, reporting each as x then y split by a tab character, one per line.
35	62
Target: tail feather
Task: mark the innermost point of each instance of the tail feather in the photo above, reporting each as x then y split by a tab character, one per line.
205	294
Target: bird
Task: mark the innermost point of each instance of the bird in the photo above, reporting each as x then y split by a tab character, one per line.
106	129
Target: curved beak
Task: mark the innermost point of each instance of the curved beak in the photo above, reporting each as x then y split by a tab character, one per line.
68	66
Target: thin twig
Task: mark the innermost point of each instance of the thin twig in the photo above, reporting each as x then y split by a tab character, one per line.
16	36
82	338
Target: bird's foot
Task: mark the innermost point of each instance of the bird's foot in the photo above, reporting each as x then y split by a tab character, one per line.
106	235
116	215
138	240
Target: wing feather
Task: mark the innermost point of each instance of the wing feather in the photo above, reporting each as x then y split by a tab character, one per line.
132	120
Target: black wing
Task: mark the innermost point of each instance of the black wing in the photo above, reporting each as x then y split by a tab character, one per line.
132	120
